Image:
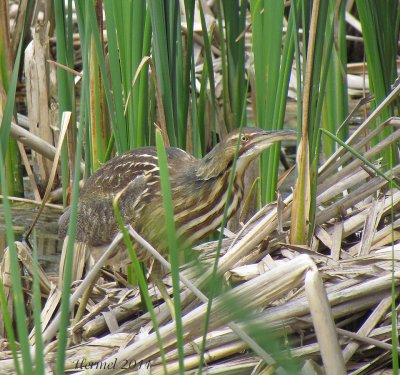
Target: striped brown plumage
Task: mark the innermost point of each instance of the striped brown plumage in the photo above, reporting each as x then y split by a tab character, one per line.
199	190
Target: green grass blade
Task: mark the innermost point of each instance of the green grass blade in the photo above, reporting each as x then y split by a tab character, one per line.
37	309
235	24
172	242
202	111
267	21
326	104
140	278
196	113
144	100
294	19
67	277
318	73
174	55
162	64
272	31
270	178
256	8
82	9
209	65
19	303
341	74
14	171
65	87
20	313
188	79
116	115
119	62
122	29
224	65
9	107
362	158
98	131
9	328
215	284
181	88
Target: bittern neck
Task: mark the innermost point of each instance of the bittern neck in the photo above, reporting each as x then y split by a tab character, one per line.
214	164
206	194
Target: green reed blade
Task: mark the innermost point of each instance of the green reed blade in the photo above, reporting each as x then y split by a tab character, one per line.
18	294
215	284
9	328
210	70
37	309
8	111
362	158
234	13
162	64
270	178
116	113
188	67
65	85
173	246
145	104
67	277
140	278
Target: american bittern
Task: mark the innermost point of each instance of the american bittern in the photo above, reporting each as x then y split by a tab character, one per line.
199	190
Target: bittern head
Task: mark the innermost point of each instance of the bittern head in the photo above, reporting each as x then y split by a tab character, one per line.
248	143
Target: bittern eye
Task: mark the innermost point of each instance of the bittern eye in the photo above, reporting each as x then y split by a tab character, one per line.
244	138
